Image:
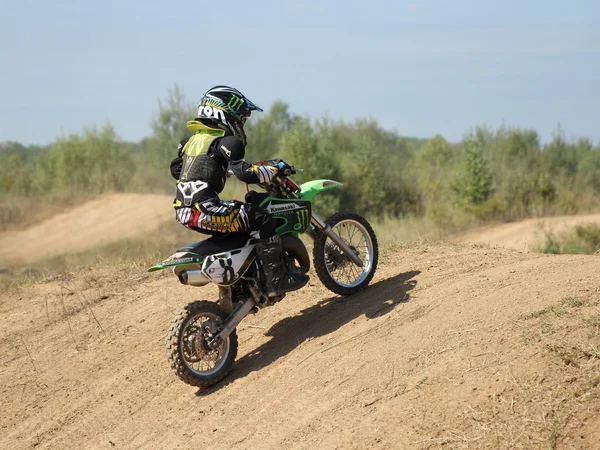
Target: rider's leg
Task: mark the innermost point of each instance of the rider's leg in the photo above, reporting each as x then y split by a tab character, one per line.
278	279
214	216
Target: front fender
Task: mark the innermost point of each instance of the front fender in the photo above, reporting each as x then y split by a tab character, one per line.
312	188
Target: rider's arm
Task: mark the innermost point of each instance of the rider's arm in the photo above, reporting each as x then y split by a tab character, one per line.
233	150
253	174
177	163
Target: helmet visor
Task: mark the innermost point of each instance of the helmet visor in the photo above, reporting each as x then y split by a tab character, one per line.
252	107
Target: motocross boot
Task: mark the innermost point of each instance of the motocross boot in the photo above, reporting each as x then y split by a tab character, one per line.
278	279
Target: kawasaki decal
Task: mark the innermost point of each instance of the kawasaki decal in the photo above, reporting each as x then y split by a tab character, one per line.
281	208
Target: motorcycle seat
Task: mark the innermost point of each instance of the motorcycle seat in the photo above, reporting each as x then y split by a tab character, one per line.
217	244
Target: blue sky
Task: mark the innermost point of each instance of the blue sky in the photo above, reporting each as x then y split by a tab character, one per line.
419	67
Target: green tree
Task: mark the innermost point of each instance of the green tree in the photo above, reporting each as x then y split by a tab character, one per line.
265	132
432	168
169	127
474	183
302	147
93	162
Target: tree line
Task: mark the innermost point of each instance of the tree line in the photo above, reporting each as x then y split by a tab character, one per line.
503	174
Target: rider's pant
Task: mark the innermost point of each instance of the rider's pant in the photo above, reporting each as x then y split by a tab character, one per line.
215	216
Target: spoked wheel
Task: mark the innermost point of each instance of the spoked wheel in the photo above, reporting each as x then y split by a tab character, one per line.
335	269
192	359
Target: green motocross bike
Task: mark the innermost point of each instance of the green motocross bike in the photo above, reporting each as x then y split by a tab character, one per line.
202	340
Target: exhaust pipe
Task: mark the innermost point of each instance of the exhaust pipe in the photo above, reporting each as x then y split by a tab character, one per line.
193	278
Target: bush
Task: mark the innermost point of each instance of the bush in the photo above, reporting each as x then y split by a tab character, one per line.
583	239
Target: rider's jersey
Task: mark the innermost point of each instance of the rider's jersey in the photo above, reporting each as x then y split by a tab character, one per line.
201	165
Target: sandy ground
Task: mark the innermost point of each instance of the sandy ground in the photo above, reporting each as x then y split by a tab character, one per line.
449	348
98	222
524	235
452	346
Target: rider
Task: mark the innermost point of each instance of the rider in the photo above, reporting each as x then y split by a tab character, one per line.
201	170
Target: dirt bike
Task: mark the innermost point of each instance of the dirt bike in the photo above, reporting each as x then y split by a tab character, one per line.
202	341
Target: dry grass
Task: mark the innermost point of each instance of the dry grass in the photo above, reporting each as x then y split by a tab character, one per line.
20	212
580	239
144	250
395	231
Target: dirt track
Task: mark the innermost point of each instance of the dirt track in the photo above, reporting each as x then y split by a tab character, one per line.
453	346
440	352
100	221
526	234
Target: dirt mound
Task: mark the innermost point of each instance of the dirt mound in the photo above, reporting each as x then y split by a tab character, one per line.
451	347
524	235
100	221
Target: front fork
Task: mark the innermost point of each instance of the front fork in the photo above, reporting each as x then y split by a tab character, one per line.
319	223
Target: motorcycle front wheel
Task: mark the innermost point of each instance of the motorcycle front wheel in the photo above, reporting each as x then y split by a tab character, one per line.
188	352
335	269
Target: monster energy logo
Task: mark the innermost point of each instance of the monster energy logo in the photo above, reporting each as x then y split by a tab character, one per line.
235	103
303	219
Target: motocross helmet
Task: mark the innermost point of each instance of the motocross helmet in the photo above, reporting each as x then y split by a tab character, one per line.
226	108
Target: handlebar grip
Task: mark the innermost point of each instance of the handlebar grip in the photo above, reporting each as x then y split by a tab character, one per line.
284	168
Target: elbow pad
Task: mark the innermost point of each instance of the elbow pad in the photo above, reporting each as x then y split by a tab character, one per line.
176	165
232	149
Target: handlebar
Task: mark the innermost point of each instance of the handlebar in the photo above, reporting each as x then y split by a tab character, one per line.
283	167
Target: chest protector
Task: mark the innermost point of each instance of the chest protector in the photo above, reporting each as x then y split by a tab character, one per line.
197	165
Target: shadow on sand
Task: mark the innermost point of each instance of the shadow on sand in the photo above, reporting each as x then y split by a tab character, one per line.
320	319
